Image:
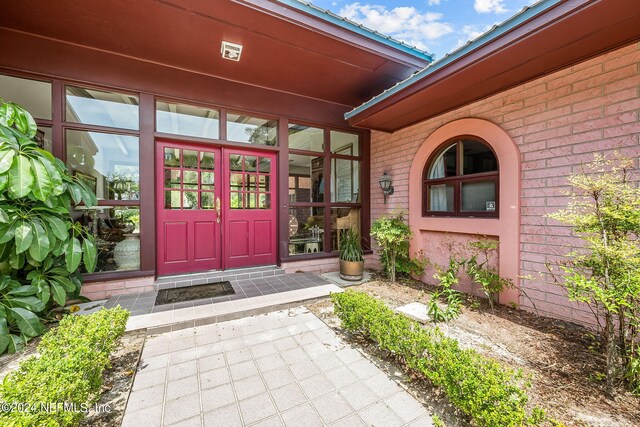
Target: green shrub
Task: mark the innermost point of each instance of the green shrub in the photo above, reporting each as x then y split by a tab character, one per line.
67	371
490	394
447	279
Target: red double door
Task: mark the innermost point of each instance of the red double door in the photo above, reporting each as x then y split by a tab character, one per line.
215	208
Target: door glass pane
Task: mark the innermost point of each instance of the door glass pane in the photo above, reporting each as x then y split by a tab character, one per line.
254	130
264	201
251	182
252	201
306	178
182	119
265	165
477	158
306	230
345	180
263	182
107	163
206	200
97	107
235	162
33	95
172	200
236	181
207	160
479	196
207	179
343	219
306	138
441	198
171	178
344	143
235	201
445	164
190	159
250	163
189	200
172	157
190	177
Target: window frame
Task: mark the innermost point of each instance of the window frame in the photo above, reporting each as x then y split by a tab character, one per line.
457	180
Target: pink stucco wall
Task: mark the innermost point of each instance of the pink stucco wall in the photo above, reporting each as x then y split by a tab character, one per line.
554	124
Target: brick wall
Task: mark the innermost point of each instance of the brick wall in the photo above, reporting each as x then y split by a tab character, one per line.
103	290
557	121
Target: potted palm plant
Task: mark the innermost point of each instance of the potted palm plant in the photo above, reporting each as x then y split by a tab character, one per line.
351	260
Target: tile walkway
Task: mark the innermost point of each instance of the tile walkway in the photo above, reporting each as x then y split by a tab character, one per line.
285	368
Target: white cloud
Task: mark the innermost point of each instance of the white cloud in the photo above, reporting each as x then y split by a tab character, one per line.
470	32
489	6
403	23
433	2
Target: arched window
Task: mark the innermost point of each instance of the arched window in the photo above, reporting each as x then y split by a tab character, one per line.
461	179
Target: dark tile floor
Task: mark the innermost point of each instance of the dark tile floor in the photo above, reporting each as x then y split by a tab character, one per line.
143	303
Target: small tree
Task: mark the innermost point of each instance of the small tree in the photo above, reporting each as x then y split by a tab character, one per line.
605	212
41	248
478	268
393	234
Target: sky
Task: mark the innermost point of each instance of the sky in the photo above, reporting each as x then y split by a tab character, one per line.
436	26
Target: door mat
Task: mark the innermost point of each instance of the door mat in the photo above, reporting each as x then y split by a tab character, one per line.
190	293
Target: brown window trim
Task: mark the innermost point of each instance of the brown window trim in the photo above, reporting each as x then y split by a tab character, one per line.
457	180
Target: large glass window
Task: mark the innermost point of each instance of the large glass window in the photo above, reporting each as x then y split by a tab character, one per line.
461	180
306	178
187	120
107	163
97	107
33	95
253	130
345	180
347	144
306	138
306	230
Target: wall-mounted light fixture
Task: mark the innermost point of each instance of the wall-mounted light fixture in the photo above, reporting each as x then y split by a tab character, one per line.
385	184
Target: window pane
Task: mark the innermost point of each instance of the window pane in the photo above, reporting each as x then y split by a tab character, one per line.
479	196
441	198
96	107
477	158
44	138
187	120
306	178
117	230
251	129
445	164
345	143
343	219
306	138
33	95
345	180
107	163
306	230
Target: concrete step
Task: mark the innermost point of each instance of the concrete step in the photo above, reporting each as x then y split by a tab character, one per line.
182	280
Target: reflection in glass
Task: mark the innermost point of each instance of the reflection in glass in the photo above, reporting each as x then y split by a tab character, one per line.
441	198
206	200
254	130
171	178
265	165
117	235
32	95
343	219
345	180
96	107
250	163
479	196
189	200
477	158
44	138
107	163
347	144
306	178
207	160
306	138
306	230
172	157
445	164
187	120
172	200
190	159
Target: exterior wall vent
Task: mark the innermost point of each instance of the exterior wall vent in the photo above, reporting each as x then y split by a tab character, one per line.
231	51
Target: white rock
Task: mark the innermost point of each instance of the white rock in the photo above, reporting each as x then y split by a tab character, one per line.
415	311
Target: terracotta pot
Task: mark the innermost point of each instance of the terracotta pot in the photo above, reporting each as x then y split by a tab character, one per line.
351	270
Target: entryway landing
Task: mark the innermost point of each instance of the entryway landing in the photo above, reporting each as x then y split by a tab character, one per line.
236	274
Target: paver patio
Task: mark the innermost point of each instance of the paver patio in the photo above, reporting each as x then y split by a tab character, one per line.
283	368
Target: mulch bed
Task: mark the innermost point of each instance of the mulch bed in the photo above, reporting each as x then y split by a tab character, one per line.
562	358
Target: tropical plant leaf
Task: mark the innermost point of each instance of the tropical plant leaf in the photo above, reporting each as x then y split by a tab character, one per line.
6	159
4	180
66	283
90	255
42	185
4	218
23	291
7	232
24	121
23	236
58	227
6	118
16	261
5	251
27	322
16	343
73	255
59	295
20	177
76	193
31	303
40	246
88	196
4	335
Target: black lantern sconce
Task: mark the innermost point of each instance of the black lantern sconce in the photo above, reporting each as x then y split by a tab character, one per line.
385	184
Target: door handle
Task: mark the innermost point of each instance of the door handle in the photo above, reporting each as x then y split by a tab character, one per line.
218	210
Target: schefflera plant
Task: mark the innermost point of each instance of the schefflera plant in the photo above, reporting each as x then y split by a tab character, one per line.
41	248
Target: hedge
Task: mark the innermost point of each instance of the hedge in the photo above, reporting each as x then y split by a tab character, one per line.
489	393
67	371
